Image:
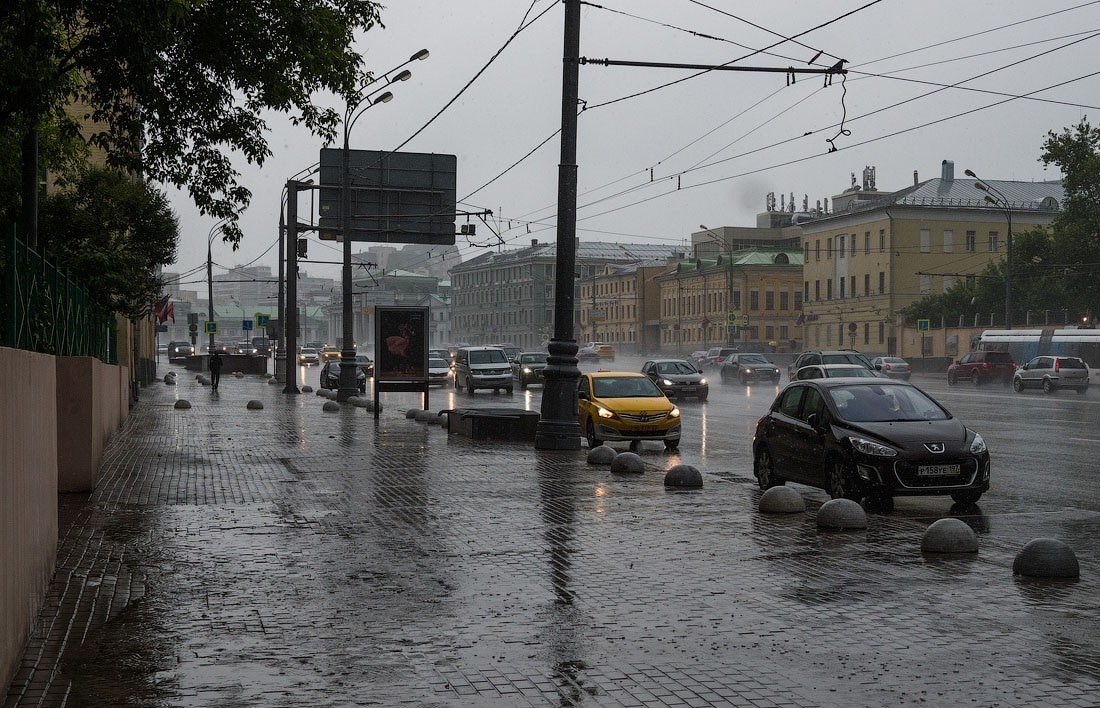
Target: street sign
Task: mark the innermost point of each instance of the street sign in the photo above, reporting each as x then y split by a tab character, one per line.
211	328
732	329
924	325
246	325
162	328
852	327
731	318
262	319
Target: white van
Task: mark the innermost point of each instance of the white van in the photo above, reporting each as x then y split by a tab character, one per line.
482	367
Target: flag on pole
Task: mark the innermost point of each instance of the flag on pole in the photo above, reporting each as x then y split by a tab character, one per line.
798	321
164	309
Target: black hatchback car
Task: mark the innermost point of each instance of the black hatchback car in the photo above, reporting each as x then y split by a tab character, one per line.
677	378
868	439
744	368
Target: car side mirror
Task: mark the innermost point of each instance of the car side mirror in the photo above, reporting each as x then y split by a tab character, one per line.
812	420
583	395
878	367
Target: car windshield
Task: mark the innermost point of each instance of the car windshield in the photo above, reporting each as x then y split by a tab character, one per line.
625	387
307	350
488	356
834	372
437	363
676	368
533	359
846	358
752	359
998	357
881	403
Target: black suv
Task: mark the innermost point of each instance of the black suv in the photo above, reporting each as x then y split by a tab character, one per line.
829	356
982	367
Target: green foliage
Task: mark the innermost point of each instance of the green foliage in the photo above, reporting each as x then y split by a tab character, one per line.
1076	253
111	234
176	87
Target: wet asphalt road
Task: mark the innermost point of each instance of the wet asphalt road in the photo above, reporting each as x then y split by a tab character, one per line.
293	557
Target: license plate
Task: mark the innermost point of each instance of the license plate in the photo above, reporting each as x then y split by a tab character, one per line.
938	470
688	389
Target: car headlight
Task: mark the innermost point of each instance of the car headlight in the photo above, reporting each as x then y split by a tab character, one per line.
748	370
666	382
977	446
604	413
674	413
527	369
870	447
702	382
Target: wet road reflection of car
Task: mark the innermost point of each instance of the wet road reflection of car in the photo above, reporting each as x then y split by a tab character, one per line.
868	439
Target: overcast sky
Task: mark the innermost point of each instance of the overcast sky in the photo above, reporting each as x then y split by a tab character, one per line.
979	83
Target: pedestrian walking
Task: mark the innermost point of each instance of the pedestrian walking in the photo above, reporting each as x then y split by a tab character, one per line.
215	370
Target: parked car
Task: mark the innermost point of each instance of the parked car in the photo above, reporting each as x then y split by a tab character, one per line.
482	367
677	378
835	371
328	353
625	406
439	371
1051	373
828	356
744	368
307	356
330	377
179	351
893	366
716	355
982	367
868	439
527	368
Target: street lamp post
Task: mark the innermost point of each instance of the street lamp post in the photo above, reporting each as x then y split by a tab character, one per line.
348	387
209	278
995	197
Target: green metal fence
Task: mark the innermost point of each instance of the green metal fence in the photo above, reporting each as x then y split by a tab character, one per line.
43	310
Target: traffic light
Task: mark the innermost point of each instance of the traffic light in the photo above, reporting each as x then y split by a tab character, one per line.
303	247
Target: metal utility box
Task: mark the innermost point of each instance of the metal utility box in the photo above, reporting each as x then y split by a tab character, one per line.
493	423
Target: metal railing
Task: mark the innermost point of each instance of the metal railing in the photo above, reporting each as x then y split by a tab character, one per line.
44	310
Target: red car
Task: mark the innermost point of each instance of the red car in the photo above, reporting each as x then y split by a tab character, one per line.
982	367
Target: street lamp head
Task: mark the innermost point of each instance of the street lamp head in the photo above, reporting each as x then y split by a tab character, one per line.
982	186
990	199
970	173
422	54
384	98
405	75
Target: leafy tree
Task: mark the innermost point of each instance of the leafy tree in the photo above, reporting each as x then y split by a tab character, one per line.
175	87
1076	152
112	234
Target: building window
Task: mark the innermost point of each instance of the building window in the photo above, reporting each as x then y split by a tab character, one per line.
798	301
829	289
841	283
866	284
853	244
806	253
925	241
866	332
993	245
840	247
784	300
971	281
817	290
817	250
736	300
925	285
881	282
866	242
948	282
881	332
828	248
806	294
754	300
971	241
948	241
881	240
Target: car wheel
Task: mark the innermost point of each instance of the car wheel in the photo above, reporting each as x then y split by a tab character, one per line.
458	386
966	498
1083	390
764	469
672	444
975	379
469	384
590	433
1048	386
522	383
1017	384
951	381
508	390
744	381
841	484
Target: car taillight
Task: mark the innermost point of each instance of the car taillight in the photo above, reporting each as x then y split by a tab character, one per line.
886	366
1056	363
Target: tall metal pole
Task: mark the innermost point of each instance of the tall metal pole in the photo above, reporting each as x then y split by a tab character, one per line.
290	328
347	387
1008	271
280	367
558	428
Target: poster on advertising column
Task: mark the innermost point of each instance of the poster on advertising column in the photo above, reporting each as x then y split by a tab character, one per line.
401	343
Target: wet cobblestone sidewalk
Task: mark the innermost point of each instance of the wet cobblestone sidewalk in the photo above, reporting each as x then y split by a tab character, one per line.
291	557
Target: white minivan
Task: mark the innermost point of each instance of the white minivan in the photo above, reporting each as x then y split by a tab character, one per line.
482	367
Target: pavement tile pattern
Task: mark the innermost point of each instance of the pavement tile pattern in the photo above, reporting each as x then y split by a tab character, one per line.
294	557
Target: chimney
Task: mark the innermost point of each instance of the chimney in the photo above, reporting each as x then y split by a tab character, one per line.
916	180
947	171
534	242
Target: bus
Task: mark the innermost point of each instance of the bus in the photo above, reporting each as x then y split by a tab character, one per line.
1026	344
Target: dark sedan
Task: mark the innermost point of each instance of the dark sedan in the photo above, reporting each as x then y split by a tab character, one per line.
678	378
868	439
744	368
527	368
330	376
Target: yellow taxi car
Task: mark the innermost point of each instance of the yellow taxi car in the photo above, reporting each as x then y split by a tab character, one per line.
328	353
619	406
